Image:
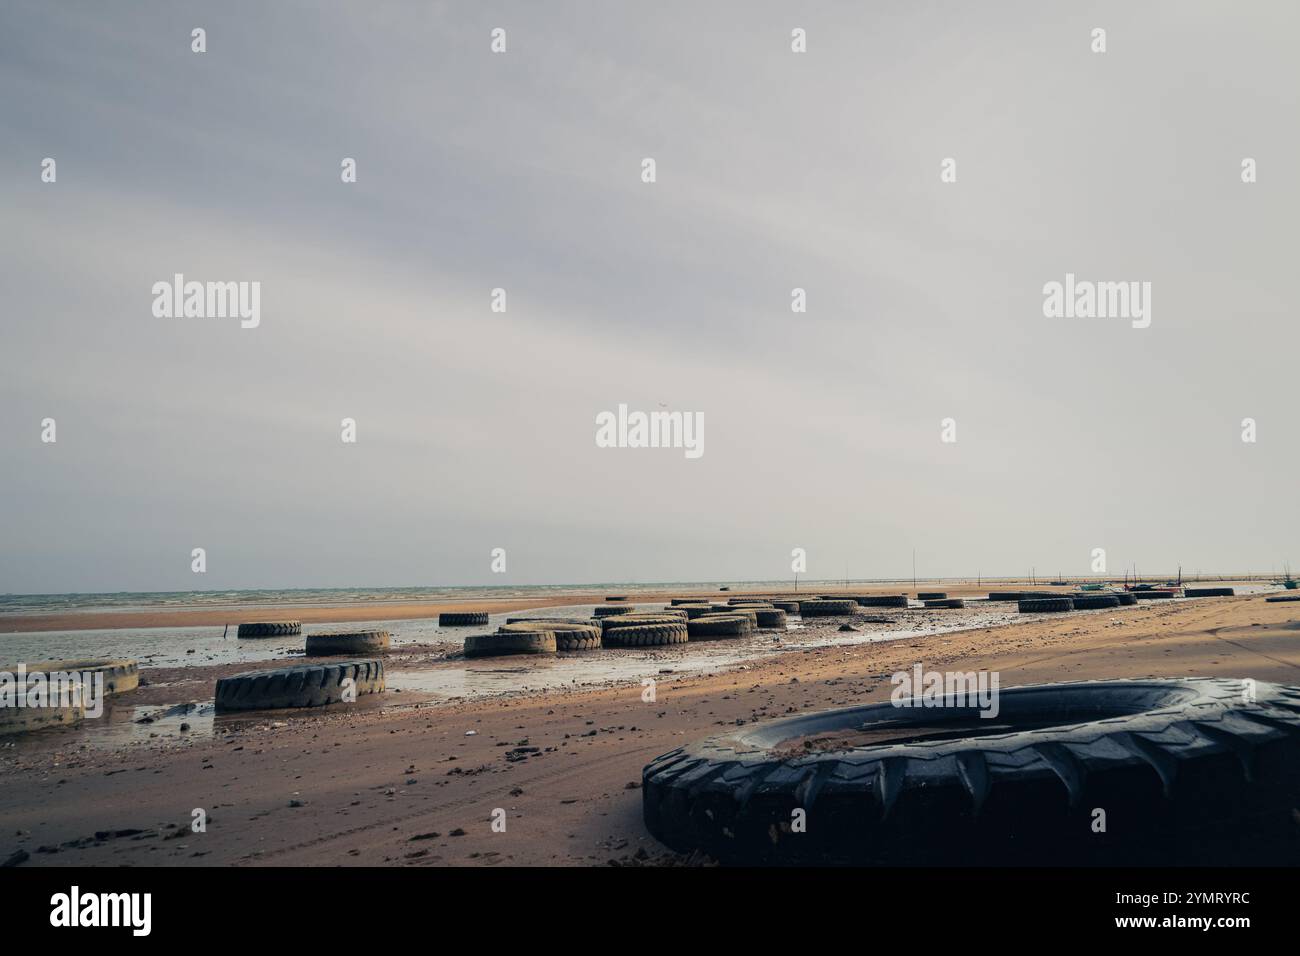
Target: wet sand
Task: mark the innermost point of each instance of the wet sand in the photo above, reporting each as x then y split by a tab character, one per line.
406	786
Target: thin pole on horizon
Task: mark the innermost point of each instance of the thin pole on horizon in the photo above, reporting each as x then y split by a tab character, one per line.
914	569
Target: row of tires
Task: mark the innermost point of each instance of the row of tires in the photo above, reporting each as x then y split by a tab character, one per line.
262	629
1074	602
1049	603
627	627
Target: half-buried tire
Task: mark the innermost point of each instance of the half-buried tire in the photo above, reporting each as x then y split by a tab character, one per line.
1045	605
1209	592
1183	768
309	685
270	629
569	636
826	608
354	642
945	602
505	642
719	626
883	600
1091	602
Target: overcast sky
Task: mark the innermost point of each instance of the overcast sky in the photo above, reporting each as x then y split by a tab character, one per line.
523	171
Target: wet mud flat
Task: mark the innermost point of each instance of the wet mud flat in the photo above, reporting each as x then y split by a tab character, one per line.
415	784
174	703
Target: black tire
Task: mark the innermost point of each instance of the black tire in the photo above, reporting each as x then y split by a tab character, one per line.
1281	598
931	595
1160	595
553	621
462	618
309	685
615	597
772	618
946	602
825	608
790	607
719	626
342	644
1005	595
1125	598
270	629
1090	602
506	642
696	610
883	600
613	610
1209	592
647	635
569	636
1176	764
1045	605
608	624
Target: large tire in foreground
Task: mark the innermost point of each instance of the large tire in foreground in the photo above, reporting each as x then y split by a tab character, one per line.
462	618
1125	598
308	685
1045	605
506	642
1208	592
647	635
345	643
1184	770
827	608
1282	598
270	629
119	676
1005	595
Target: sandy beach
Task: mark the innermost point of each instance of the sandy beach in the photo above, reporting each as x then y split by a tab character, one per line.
417	785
